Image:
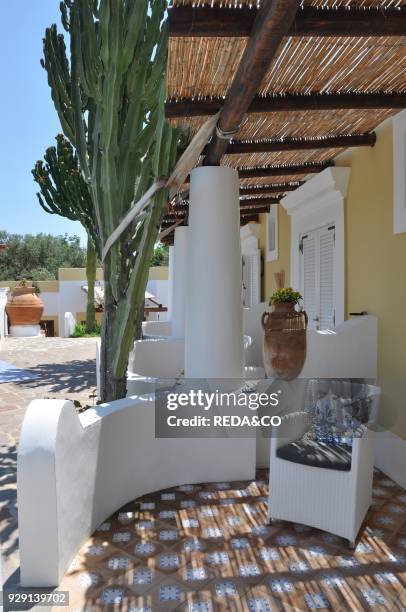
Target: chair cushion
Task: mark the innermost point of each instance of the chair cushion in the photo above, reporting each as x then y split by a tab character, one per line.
317	454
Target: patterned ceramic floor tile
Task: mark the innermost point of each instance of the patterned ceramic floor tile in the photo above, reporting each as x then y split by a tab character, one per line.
207	547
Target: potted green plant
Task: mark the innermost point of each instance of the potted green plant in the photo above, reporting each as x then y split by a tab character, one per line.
285	299
284	347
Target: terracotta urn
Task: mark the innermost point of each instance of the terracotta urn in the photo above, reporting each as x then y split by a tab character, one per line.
284	348
24	307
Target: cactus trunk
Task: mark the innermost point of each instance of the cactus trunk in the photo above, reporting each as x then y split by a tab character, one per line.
110	100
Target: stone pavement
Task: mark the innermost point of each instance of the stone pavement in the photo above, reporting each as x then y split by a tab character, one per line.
64	368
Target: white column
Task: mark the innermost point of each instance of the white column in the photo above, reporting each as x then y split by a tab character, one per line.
179	282
214	324
170	282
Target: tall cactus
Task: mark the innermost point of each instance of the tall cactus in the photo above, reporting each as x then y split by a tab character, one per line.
110	100
64	192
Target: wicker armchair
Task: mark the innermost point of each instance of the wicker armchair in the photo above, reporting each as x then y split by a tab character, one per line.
323	486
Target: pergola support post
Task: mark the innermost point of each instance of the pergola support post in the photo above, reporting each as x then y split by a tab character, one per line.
179	282
214	325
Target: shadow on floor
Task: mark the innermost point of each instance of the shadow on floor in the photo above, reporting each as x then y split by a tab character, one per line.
8	500
71	377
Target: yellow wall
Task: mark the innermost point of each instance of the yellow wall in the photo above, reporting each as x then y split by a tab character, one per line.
283	261
158	273
74	274
51	286
375	265
81	316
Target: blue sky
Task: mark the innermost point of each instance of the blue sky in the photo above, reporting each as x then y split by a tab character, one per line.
29	122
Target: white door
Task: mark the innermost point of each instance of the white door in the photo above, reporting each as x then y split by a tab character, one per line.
317	276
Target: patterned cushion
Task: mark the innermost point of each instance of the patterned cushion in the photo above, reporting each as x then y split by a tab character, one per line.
338	409
317	454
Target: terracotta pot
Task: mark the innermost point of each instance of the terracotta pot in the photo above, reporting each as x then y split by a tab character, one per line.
24	307
284	348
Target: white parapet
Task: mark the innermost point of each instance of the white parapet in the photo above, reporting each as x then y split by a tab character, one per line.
214	329
157	329
348	351
74	471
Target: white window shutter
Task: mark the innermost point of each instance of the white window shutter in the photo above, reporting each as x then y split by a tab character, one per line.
309	277
252	278
326	242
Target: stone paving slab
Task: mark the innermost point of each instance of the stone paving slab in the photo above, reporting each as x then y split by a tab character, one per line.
65	368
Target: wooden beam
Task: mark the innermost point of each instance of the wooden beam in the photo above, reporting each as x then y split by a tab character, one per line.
180	211
272	188
238	22
255	210
257	202
239	147
270	26
283	170
188	107
248	218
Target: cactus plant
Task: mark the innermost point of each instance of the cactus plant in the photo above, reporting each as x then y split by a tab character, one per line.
64	192
109	96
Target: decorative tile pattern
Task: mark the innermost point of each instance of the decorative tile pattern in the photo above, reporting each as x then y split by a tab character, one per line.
195	573
170	593
225	589
214	551
169	561
143	577
316	601
258	604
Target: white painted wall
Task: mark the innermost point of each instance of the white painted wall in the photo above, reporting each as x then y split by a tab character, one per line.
51	303
71	297
159	288
60	504
3	316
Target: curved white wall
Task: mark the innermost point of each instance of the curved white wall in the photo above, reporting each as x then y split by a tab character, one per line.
75	471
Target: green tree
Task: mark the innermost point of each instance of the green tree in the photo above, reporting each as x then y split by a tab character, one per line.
38	257
64	192
109	93
161	255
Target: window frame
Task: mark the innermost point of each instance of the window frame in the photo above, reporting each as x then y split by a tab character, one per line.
399	173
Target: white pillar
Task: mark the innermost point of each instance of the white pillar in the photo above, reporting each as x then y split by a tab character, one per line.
179	282
214	324
170	282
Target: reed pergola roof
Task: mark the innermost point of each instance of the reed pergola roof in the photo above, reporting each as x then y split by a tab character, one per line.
338	71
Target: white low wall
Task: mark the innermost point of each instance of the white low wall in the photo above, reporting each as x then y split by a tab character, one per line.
157	328
74	471
69	324
161	357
